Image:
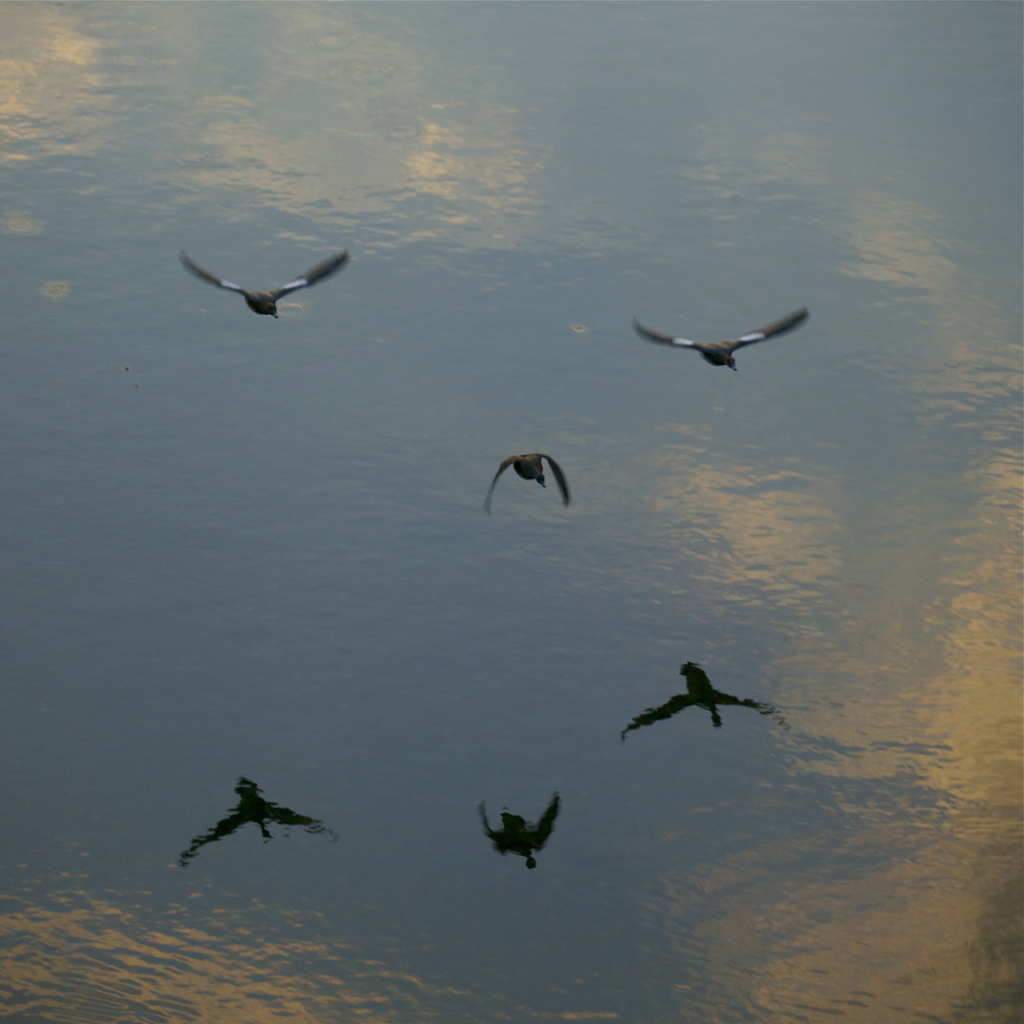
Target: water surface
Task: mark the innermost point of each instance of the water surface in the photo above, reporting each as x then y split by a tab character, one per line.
266	656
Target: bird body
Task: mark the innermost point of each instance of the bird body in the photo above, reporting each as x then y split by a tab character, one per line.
265	303
530	467
721	353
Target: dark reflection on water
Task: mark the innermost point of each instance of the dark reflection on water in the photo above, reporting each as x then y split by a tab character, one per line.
520	836
253	809
700	693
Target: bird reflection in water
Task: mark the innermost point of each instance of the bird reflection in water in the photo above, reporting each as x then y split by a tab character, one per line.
520	836
700	693
253	808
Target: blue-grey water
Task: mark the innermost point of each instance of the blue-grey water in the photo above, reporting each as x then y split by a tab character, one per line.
264	654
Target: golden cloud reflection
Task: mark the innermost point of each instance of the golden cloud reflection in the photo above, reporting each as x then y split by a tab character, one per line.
892	240
76	958
451	157
482	174
930	714
931	708
340	119
51	100
350	121
868	947
771	530
967	350
919	911
913	906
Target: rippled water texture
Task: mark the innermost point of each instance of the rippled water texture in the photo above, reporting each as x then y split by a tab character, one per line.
293	731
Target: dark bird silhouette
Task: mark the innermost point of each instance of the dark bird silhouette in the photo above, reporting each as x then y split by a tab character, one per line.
721	353
253	808
530	467
520	836
265	303
699	693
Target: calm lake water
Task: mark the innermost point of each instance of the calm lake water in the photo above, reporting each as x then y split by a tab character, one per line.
743	720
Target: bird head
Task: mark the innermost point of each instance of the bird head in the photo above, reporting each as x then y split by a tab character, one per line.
540	480
731	363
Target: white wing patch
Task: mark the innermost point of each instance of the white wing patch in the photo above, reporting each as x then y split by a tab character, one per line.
683	341
233	287
754	336
300	282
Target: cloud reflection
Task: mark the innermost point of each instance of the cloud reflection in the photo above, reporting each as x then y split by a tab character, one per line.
362	125
75	958
766	534
51	87
343	118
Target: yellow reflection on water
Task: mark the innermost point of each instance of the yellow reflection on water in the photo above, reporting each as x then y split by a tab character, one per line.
876	946
965	348
748	526
894	245
50	86
458	161
927	644
356	126
472	160
341	119
76	958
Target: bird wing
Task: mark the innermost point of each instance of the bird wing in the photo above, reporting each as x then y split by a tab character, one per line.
483	816
787	323
329	266
205	275
665	339
505	463
563	486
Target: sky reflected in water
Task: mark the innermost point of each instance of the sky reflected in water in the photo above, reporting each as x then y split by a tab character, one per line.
294	730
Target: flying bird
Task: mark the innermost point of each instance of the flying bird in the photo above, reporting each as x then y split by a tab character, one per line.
721	353
530	467
265	303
